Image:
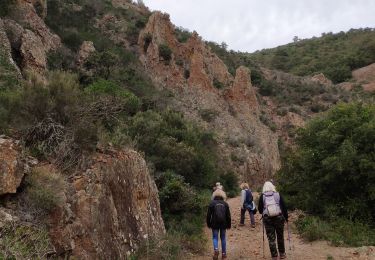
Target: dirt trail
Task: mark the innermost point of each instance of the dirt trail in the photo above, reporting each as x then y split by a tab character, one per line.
246	243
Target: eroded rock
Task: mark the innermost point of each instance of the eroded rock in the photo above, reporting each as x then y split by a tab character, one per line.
111	207
200	81
86	49
12	165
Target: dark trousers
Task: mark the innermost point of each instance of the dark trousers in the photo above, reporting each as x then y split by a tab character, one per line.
243	211
275	228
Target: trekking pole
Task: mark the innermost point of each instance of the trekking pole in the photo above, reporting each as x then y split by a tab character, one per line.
287	226
263	235
290	240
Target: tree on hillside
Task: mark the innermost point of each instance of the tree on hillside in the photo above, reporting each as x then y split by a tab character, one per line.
331	172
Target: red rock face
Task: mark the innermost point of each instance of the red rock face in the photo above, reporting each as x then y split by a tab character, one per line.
194	74
13	166
111	207
33	43
242	92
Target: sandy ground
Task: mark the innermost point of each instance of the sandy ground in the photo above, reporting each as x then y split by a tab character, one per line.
246	243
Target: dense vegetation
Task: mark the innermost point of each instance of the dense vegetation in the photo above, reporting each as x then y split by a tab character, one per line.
330	174
335	55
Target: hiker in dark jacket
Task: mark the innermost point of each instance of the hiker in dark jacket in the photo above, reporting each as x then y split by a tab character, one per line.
247	204
275	214
218	219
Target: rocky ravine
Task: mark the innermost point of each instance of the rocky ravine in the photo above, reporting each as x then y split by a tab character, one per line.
191	75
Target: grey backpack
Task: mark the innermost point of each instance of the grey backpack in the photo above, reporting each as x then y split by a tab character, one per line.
271	204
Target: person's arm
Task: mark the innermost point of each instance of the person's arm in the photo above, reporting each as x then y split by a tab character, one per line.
209	215
229	219
260	204
283	208
243	197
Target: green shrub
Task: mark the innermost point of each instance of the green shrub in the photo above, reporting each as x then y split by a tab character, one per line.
167	247
339	232
5	7
266	88
333	161
8	73
147	41
182	34
60	59
218	84
165	53
208	115
171	143
24	242
230	182
10	102
44	190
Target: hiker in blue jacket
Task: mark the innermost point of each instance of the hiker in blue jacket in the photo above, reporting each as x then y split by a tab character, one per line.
247	205
218	219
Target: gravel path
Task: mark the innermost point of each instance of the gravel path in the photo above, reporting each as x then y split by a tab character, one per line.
246	243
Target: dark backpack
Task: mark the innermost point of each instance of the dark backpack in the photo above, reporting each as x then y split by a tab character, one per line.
220	213
249	197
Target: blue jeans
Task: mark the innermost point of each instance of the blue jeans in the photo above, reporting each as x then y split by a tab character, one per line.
215	238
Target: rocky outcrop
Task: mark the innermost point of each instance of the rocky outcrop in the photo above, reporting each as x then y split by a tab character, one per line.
31	45
201	82
6	54
13	165
242	91
33	53
86	49
321	79
366	77
111	207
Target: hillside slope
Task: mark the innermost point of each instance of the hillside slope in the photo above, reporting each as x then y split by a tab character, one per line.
335	55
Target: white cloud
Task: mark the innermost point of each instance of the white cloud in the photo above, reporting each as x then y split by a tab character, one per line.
249	25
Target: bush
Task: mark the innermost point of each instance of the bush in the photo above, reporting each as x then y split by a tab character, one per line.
8	73
339	232
208	115
229	181
24	242
218	84
5	7
182	34
170	143
44	190
147	41
266	88
128	102
333	162
165	53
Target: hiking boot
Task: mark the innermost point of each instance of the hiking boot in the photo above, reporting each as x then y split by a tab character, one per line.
282	256
223	256
216	255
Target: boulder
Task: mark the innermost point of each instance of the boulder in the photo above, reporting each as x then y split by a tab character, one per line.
111	207
321	79
86	49
12	165
33	53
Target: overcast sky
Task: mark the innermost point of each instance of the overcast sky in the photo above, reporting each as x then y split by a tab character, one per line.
249	25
